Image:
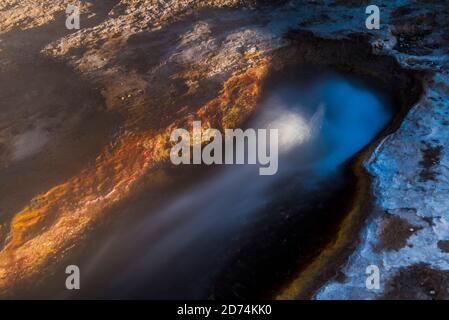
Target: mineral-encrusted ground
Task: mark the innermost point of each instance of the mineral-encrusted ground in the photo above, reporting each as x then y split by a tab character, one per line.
143	65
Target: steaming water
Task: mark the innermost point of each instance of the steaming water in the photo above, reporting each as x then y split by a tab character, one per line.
178	252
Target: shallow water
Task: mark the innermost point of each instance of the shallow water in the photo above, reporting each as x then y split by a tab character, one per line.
193	245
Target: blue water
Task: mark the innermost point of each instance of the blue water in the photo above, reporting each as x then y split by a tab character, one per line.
341	117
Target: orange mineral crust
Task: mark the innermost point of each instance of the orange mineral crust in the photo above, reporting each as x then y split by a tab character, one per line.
52	222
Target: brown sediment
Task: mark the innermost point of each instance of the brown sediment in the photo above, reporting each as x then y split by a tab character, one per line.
41	233
387	71
443	245
418	282
395	232
431	156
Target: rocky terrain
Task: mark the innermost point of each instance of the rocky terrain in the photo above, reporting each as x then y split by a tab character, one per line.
139	68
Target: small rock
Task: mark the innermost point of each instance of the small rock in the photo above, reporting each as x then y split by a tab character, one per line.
252	50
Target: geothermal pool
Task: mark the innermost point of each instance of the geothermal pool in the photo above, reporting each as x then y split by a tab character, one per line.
239	234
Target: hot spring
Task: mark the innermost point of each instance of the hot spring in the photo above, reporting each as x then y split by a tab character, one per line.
239	234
